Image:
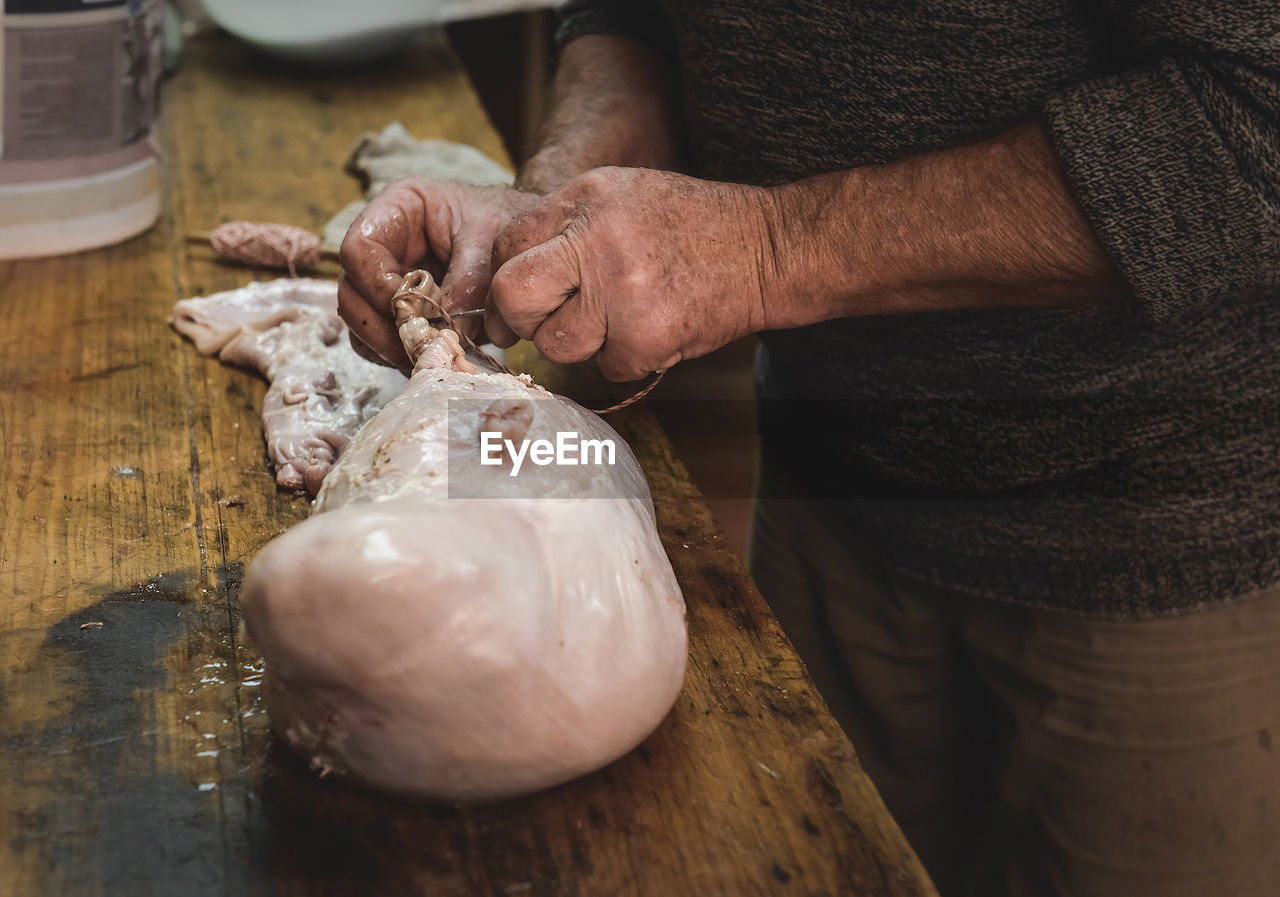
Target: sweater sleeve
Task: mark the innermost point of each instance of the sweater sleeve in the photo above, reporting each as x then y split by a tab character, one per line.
637	19
1176	161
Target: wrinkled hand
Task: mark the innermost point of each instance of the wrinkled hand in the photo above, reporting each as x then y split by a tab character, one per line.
445	227
645	267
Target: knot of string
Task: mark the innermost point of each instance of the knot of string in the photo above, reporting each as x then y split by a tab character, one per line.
419	285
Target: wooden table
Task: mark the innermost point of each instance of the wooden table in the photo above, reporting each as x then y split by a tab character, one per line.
134	755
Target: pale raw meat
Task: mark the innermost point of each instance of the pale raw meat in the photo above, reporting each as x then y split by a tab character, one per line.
381	157
468	649
321	391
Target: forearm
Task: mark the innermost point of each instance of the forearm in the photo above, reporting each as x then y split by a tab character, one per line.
610	106
993	224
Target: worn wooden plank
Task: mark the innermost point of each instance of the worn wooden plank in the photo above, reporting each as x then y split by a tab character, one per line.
134	758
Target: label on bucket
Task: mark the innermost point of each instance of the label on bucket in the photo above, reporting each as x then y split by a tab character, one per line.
80	87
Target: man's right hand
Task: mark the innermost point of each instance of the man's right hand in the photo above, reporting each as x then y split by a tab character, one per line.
443	226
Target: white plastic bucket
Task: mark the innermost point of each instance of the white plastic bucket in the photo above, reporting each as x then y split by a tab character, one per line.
79	88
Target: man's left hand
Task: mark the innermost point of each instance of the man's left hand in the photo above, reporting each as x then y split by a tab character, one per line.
644	267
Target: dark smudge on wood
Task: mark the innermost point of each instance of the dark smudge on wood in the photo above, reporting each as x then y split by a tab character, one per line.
91	754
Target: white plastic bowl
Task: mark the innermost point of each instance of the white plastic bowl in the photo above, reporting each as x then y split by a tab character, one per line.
325	31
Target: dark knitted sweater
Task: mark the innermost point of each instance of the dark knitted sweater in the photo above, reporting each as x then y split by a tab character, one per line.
1116	459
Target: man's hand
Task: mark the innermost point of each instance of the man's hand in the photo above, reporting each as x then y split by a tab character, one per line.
609	106
645	267
446	227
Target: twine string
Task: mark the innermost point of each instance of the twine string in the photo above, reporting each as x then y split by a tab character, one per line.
634	397
418	284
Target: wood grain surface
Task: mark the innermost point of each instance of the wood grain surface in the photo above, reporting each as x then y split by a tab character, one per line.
134	754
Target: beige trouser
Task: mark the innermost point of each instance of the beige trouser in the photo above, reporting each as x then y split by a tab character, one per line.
1027	753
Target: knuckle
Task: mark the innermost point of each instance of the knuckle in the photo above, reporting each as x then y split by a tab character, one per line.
504	338
520	221
345	289
349	253
596	178
404	187
413	189
504	297
551	348
599	181
496	329
558	344
500	287
462	290
617	364
503	245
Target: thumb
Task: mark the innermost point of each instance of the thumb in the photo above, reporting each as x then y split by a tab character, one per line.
466	283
